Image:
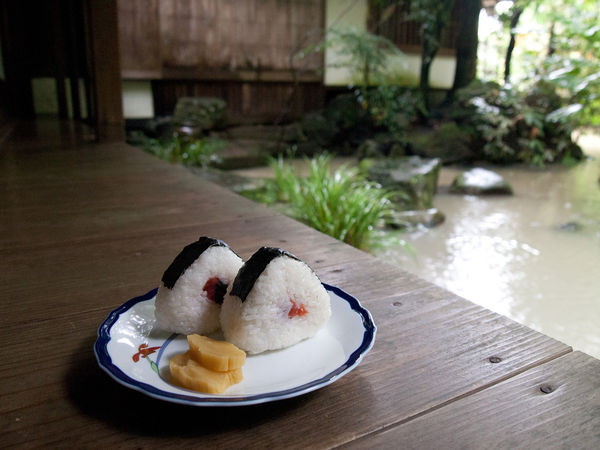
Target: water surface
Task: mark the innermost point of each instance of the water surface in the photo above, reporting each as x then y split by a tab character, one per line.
534	256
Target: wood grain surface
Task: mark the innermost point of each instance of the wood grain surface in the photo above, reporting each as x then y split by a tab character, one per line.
87	226
555	405
214	35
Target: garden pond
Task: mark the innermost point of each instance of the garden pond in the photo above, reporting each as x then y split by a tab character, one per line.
533	256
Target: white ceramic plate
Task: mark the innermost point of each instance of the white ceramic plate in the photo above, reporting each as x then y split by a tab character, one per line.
135	354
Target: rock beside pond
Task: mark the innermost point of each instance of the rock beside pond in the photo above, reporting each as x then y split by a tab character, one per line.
448	142
413	180
195	115
429	218
480	181
571	227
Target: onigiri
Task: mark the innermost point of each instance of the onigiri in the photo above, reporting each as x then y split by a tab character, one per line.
191	293
275	301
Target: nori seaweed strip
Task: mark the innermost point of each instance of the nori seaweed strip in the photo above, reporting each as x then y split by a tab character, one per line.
251	270
186	258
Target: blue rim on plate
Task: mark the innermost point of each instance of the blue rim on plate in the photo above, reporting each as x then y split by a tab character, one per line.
106	363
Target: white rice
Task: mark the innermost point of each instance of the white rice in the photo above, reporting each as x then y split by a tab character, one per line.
261	322
185	309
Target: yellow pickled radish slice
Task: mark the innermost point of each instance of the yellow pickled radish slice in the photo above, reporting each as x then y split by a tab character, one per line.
188	373
215	355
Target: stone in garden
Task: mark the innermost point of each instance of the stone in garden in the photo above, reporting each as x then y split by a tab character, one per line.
429	218
413	180
242	153
195	115
448	142
571	226
480	181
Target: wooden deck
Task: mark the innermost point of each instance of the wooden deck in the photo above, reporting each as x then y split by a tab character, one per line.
86	226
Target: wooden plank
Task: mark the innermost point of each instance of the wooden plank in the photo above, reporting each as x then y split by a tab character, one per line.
70	196
194	74
555	405
137	260
431	348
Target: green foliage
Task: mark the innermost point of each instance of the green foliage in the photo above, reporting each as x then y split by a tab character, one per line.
574	63
559	44
447	141
351	118
365	55
198	152
341	203
392	108
375	103
433	15
507	126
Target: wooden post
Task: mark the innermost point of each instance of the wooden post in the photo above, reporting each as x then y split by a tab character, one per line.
102	41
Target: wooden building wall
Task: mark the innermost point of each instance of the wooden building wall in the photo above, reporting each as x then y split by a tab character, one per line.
395	25
238	50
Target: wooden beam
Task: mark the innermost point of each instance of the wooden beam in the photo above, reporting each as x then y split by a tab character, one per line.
104	64
197	74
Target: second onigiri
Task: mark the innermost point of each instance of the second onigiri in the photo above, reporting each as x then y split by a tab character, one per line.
275	301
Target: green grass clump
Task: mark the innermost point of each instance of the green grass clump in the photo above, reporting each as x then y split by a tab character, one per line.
197	152
342	203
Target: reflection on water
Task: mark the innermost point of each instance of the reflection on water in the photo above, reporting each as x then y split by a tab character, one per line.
511	255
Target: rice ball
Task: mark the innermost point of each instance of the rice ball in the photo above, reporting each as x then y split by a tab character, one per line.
275	301
193	287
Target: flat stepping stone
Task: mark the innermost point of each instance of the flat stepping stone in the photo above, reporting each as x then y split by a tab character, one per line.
480	181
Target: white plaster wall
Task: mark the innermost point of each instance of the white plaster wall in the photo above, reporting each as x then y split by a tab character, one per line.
354	14
342	13
137	99
441	73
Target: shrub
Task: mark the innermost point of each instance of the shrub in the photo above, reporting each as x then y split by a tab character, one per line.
392	108
374	102
507	126
341	204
